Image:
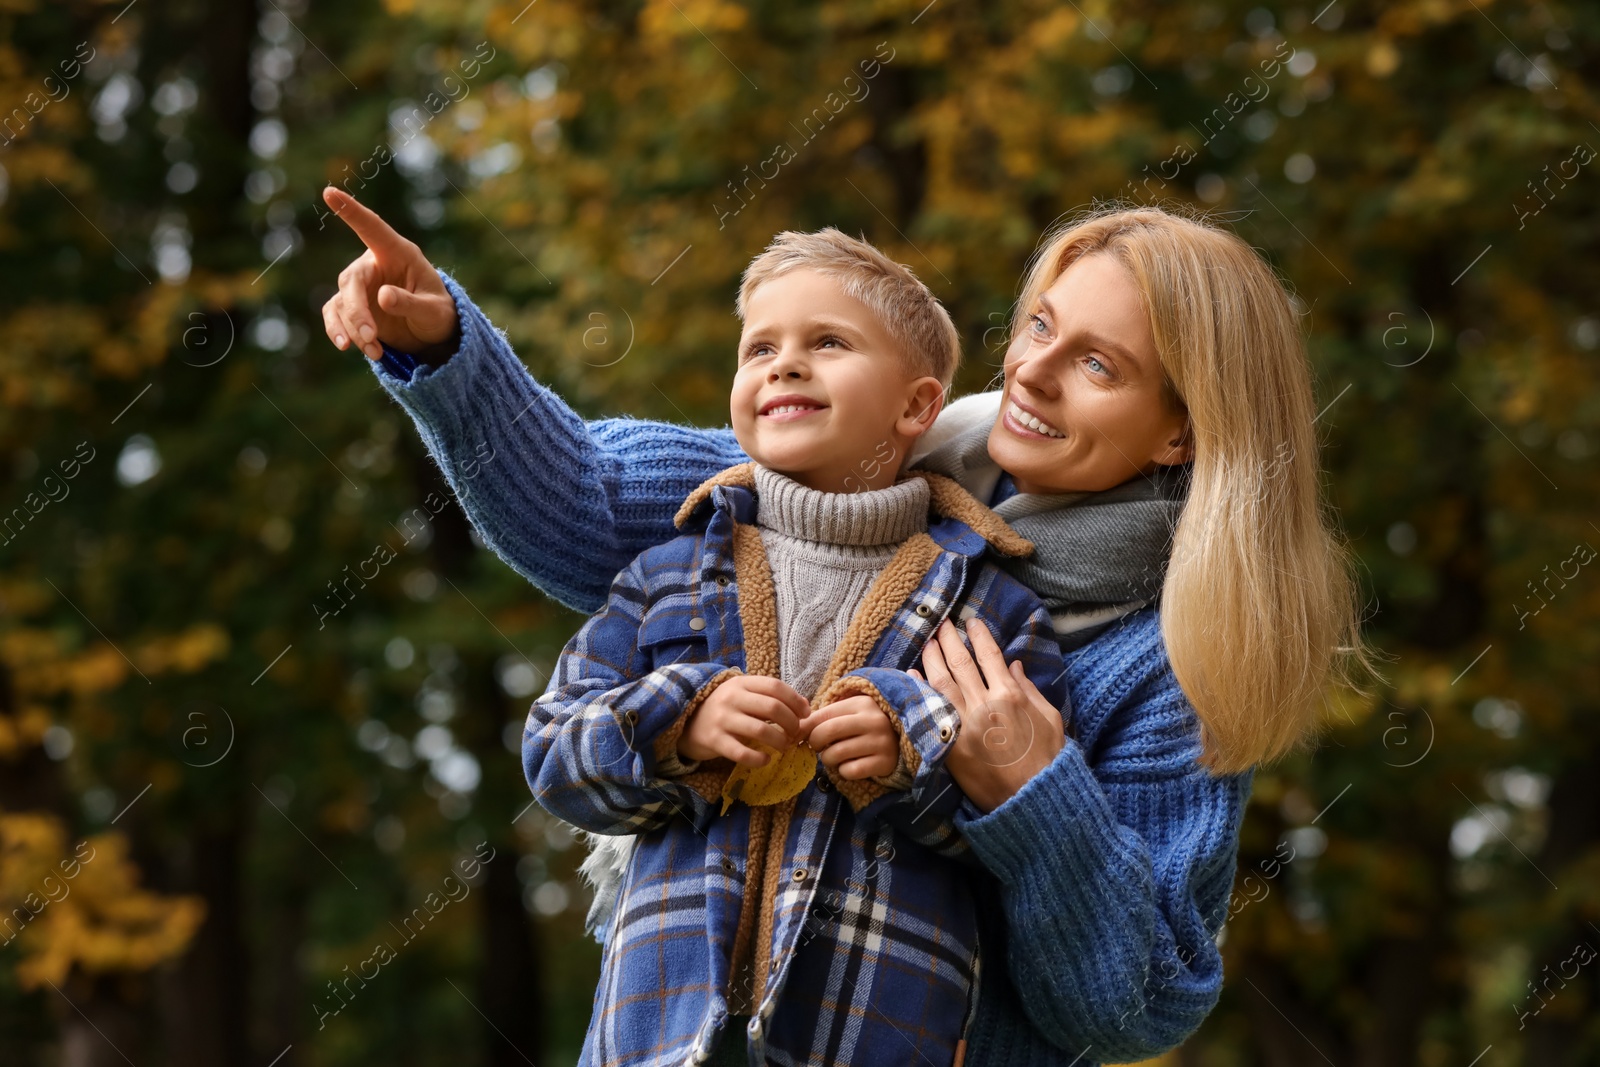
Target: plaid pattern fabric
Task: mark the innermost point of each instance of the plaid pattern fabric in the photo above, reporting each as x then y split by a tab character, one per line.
874	952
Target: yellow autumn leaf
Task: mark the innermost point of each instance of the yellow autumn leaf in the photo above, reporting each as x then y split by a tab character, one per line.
779	779
185	652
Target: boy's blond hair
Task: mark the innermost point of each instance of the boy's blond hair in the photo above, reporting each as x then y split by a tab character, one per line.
911	313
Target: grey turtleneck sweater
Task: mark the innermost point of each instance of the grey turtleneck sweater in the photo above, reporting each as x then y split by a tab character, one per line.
825	550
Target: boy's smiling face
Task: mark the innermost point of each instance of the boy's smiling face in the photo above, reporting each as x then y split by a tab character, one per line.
823	392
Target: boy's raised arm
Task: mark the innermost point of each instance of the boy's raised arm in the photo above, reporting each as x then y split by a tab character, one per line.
567	503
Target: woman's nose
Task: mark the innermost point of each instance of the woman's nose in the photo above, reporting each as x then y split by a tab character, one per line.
1036	370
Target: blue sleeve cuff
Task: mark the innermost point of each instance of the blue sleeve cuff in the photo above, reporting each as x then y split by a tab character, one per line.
399	365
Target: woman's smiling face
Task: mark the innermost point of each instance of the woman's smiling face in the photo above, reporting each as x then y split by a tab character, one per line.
1082	409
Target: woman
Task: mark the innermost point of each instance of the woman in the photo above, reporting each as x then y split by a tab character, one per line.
1155	376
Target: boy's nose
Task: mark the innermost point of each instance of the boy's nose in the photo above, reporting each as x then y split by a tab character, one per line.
786	367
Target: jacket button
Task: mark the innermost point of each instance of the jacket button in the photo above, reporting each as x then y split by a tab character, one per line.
633	718
945	733
727	863
799	874
924	610
822	781
722	579
697	623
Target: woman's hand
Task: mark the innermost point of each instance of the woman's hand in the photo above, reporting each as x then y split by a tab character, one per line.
1009	731
389	293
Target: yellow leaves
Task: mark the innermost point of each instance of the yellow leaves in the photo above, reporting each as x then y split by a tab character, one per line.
1433	188
1347	708
29	844
1383	58
783	776
43	667
1054	30
23	731
185	652
399	8
669	19
83	909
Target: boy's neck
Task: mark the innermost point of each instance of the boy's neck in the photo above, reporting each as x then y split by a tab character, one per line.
879	469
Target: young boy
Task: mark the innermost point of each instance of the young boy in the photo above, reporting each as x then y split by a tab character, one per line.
833	926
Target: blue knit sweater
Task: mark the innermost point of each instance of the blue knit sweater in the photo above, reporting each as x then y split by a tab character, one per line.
1111	869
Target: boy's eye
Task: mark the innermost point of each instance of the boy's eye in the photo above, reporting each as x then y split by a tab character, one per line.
829	340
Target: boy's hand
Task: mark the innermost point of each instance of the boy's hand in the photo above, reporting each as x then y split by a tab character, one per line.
744	710
854	737
389	293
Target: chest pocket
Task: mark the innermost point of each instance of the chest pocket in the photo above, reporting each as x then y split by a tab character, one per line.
673	630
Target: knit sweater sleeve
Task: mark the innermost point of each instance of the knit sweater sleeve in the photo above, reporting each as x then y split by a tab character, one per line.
1116	862
567	503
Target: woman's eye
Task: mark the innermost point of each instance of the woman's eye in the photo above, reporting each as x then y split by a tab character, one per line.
1038	324
1096	366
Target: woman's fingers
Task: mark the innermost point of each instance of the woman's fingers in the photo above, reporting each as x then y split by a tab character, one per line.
938	674
1037	703
963	668
991	660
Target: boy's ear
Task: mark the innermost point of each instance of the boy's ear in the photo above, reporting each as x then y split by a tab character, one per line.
926	401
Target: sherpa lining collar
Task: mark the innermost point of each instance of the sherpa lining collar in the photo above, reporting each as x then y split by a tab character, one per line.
946	497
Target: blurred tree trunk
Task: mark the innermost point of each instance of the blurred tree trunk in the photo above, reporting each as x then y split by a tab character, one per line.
101	1027
510	988
207	1021
282	1018
206	996
1555	1035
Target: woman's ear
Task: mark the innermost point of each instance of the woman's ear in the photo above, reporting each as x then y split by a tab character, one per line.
1180	447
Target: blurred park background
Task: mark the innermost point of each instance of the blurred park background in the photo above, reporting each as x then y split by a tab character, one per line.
228	773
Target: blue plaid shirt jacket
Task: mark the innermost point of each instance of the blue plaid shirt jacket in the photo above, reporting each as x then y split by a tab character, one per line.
842	920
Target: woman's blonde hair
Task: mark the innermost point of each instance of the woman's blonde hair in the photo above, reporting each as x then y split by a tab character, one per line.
1260	609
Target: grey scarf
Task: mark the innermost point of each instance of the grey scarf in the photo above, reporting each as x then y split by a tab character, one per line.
1094	553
